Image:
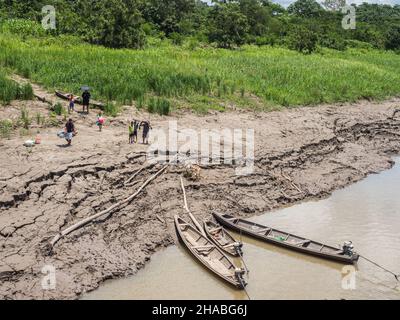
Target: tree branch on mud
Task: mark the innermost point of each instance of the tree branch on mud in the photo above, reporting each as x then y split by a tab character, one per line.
110	209
291	182
198	226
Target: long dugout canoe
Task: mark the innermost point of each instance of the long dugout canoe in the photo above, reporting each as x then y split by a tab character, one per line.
208	254
287	240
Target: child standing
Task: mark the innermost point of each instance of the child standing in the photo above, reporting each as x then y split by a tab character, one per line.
131	133
135	131
71	105
100	121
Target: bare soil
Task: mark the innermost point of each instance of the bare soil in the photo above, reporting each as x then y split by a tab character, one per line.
300	154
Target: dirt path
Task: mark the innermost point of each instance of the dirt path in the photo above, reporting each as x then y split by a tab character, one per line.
47	188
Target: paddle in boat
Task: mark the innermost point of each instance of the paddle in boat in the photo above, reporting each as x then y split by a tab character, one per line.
287	240
222	239
209	254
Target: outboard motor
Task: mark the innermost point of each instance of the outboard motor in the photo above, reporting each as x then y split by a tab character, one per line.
238	247
348	248
239	272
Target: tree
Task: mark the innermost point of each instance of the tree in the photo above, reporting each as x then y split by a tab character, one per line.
275	8
256	14
22	9
333	5
393	38
117	23
305	8
303	40
228	25
168	15
370	34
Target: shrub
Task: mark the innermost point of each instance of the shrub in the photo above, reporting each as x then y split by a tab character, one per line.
192	44
40	119
265	40
333	42
24	132
140	102
52	121
5	128
25	72
176	38
159	105
25	92
111	109
24	119
8	90
358	44
22	27
393	38
58	109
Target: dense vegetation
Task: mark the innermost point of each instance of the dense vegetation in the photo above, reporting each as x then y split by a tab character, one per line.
185	56
10	90
228	23
271	76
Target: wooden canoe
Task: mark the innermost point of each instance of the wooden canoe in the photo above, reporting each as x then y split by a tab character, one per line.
285	239
208	254
78	100
222	238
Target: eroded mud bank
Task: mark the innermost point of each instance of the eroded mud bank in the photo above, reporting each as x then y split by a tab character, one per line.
301	153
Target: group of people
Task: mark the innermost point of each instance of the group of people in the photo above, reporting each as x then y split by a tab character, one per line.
134	125
134	128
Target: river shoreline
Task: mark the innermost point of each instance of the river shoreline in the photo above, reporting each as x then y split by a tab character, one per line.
300	154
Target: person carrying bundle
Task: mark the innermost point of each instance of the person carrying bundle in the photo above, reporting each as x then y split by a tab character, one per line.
146	130
69	131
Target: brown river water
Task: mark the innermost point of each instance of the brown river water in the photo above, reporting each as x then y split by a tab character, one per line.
368	213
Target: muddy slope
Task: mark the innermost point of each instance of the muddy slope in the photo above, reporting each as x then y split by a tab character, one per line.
300	153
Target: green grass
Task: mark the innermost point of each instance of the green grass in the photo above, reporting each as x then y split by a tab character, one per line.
159	105
275	76
111	109
6	127
25	92
10	90
58	109
25	120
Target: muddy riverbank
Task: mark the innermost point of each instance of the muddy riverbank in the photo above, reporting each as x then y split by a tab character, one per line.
366	212
300	154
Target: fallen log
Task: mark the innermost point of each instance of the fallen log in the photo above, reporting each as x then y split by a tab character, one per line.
134	176
131	184
79	101
160	219
43	99
104	212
